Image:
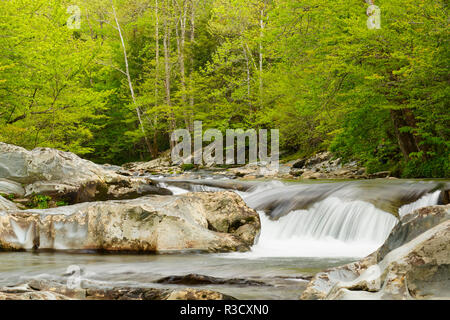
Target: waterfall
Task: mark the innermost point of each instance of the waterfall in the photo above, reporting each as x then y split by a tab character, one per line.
429	199
330	228
344	219
334	226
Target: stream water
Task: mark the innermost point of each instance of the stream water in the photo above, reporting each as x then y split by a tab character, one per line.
306	227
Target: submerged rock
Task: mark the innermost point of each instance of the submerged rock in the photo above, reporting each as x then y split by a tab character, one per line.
197	221
45	290
198	279
413	263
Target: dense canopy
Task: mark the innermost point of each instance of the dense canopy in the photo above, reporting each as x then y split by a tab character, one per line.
113	89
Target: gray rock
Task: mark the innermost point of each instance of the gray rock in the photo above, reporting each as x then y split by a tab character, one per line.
413	263
6	205
50	290
45	164
11	187
65	176
419	269
210	222
412	225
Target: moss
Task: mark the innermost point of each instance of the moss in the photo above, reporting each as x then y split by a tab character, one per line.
187	167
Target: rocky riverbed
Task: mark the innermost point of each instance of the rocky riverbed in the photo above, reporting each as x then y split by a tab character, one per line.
224	237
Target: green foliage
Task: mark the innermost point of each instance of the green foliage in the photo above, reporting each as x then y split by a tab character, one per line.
434	168
38	201
311	69
8	196
61	203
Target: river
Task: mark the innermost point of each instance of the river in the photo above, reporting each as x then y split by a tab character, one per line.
306	228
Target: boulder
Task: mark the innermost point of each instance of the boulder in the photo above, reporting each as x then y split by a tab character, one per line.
65	176
46	164
147	224
318	158
321	284
412	263
161	165
412	225
419	269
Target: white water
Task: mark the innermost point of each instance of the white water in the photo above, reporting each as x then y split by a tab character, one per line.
335	225
330	228
429	199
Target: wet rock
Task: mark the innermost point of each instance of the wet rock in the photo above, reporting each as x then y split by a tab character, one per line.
148	224
323	282
25	292
197	279
414	262
417	270
297	172
46	290
412	225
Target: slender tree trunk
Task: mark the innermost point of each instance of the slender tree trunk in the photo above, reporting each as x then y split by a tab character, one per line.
191	89
261	34
155	119
247	65
167	74
127	73
181	40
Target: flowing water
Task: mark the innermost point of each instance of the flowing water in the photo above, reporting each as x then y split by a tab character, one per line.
306	227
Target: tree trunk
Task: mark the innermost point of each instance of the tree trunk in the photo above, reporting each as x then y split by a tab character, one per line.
155	119
167	75
130	84
192	40
406	140
261	34
181	40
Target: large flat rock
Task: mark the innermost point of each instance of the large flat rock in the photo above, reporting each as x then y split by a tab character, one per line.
210	222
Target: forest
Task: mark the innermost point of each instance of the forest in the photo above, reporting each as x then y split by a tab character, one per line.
110	80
